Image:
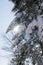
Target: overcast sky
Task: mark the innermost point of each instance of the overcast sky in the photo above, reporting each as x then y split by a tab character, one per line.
6	16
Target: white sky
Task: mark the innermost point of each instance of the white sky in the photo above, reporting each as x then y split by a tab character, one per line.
6	16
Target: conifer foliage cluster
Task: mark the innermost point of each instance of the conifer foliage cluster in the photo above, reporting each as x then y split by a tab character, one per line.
27	42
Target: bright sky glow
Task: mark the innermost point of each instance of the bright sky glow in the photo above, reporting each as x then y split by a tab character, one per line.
16	29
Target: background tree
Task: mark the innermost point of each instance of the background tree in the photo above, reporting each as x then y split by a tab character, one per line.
26	43
25	11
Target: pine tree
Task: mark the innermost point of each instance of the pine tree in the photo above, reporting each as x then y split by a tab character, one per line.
25	11
26	45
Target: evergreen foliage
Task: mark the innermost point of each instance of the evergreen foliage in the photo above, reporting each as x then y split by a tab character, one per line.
25	11
26	45
27	8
